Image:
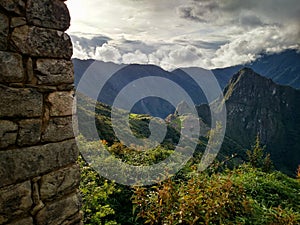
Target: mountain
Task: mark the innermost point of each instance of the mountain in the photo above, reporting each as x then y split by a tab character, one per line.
283	68
255	106
124	75
258	106
90	112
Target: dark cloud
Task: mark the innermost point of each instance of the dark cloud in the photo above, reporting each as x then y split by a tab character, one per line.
241	12
201	11
213	45
250	21
188	12
132	45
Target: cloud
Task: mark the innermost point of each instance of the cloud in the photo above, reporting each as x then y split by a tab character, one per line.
240	12
84	47
201	11
135	57
93	42
248	46
171	57
250	20
107	53
184	33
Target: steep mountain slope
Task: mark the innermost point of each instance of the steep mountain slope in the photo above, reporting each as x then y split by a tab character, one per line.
256	105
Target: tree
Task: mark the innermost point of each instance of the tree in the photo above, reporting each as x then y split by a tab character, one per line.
257	157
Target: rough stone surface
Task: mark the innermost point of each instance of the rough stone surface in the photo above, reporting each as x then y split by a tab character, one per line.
17	22
59	212
4	28
15	200
11	67
25	221
8	133
60	103
59	182
21	164
257	106
53	71
35	41
15	6
20	102
39	177
55	15
59	129
30	75
29	132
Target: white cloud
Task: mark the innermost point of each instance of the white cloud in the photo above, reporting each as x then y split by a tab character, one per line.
135	57
107	53
79	52
247	46
183	33
173	56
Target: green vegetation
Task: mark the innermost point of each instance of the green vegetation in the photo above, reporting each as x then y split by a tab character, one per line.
247	194
240	187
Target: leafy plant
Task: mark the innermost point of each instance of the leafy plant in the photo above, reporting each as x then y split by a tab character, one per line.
95	192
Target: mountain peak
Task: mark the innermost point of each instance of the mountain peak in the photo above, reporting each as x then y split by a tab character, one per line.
258	106
246	73
247	82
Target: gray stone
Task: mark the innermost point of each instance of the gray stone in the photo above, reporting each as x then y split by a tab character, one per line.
8	133
29	132
41	42
4	28
61	103
25	221
17	22
55	15
11	67
16	6
58	129
53	71
57	183
16	102
15	200
59	212
21	164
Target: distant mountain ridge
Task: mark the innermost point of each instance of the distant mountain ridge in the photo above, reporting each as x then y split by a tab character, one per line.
283	68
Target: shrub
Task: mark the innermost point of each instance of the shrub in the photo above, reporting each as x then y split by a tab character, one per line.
201	200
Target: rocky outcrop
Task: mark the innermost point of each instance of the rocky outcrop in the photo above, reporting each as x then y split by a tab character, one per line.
256	105
38	171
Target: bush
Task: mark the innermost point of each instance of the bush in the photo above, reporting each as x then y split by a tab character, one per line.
201	200
95	192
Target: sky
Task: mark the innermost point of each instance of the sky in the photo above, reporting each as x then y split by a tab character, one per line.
183	33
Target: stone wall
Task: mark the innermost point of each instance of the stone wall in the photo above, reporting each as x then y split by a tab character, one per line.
39	176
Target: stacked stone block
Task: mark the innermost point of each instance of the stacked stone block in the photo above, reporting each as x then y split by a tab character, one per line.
39	176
